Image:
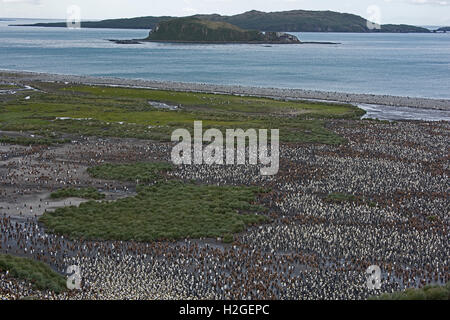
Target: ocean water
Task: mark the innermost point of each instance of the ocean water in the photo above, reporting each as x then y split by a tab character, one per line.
416	65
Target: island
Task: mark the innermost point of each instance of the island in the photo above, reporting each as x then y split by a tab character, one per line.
283	21
196	30
118	41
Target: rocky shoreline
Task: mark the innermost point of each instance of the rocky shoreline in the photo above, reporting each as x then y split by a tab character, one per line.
424	103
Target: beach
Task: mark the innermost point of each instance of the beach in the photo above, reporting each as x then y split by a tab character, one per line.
278	93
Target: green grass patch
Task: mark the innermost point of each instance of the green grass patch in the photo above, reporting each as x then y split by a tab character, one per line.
84	193
38	273
8	87
340	197
142	171
227	103
430	292
28	141
165	211
122	112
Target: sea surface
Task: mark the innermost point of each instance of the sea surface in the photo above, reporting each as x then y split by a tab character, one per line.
416	65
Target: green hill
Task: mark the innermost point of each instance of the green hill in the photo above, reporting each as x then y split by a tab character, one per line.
295	21
285	21
196	30
443	29
130	23
402	28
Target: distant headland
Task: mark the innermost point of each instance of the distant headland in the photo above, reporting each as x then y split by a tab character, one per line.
443	30
284	21
195	30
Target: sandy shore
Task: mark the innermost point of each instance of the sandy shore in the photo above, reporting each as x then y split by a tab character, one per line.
425	103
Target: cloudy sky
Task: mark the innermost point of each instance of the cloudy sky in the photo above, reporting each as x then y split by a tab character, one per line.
418	12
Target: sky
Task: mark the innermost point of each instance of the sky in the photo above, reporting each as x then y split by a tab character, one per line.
416	12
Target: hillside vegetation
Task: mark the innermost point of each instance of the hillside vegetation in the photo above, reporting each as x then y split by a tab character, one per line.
193	29
284	21
444	29
125	112
166	211
197	30
307	21
39	274
429	292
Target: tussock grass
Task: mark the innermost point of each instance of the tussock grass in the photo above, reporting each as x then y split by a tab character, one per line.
124	112
430	292
165	211
337	197
8	86
38	273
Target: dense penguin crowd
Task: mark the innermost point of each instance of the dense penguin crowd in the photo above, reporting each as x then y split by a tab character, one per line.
313	247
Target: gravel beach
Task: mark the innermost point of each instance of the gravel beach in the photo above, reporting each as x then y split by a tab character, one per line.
425	103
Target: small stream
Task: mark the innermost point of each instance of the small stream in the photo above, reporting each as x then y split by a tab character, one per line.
392	113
